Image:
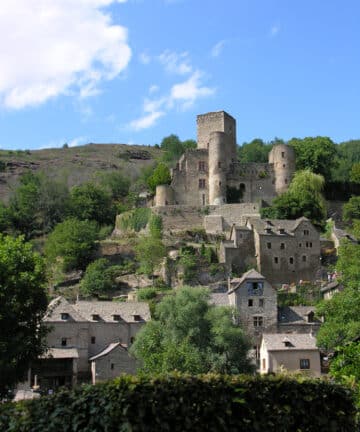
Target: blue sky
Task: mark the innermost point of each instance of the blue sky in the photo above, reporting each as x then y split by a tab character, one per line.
134	71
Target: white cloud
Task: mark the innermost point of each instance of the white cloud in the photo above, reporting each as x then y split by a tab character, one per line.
217	48
190	90
146	120
182	95
175	63
153	89
274	30
144	58
78	141
55	47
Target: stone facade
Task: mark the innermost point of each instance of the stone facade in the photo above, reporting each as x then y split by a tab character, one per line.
212	175
284	251
293	352
82	330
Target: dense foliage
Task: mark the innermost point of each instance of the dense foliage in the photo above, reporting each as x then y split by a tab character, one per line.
303	198
189	335
183	403
23	304
73	241
254	151
160	176
98	278
173	148
149	253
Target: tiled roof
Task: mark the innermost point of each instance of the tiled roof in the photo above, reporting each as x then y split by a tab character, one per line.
61	353
296	315
287	225
289	342
85	310
108	350
107	309
250	274
219	299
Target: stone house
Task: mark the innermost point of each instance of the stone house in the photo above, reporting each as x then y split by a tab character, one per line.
284	251
84	332
298	319
293	352
212	175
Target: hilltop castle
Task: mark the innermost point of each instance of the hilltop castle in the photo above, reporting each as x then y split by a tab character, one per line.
212	175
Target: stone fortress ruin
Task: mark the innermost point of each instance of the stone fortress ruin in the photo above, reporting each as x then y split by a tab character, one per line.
211	190
212	175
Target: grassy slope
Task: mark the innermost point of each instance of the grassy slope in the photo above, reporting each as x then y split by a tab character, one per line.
76	164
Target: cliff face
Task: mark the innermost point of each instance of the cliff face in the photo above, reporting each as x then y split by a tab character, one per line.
74	164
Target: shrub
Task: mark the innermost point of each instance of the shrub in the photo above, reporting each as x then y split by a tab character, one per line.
184	403
145	294
136	219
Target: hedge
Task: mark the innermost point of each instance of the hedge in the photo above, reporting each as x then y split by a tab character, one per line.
185	403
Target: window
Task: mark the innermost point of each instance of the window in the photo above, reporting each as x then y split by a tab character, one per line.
283	165
282	154
64	316
112	366
116	317
93	339
137	317
95	317
261	302
300	245
202	166
132	339
304	364
250	302
306	232
282	246
291	260
304	258
268	245
63	341
255	288
286	180
219	164
263	364
276	260
310	244
258	321
201	183
203	199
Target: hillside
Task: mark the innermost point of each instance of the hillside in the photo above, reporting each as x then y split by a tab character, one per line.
76	164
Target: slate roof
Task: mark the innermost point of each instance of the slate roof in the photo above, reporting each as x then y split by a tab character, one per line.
342	234
83	311
219	299
108	350
331	286
288	225
296	315
296	341
61	353
250	274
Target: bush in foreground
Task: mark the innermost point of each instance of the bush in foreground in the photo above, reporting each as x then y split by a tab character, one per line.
185	403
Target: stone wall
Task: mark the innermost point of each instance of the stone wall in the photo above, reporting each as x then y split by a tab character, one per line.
110	366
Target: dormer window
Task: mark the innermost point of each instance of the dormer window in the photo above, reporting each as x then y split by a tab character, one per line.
116	317
281	231
137	317
268	230
95	317
288	344
65	316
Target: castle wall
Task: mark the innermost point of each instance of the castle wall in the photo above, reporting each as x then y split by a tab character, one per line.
218	166
164	195
282	157
190	179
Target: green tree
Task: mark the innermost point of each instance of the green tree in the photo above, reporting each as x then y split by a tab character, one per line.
348	154
303	198
23	304
149	253
255	151
316	154
189	335
355	173
172	148
155	226
91	202
351	210
116	184
98	278
160	176
73	241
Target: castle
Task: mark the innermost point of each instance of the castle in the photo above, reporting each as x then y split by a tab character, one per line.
210	189
212	175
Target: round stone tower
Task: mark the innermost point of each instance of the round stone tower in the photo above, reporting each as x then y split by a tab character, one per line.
282	157
217	168
164	195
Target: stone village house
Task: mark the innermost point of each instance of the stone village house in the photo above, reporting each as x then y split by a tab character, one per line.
88	341
255	300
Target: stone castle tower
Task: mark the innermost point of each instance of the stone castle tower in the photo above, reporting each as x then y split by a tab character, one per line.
212	175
